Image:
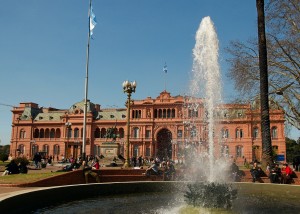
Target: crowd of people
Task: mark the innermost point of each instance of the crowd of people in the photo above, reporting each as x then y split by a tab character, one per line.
274	172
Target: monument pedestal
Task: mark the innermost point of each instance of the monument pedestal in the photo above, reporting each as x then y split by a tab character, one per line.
110	150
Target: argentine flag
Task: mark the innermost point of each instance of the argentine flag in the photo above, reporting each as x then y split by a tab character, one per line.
93	21
165	69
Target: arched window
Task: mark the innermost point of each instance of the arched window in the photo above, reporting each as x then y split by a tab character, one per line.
155	113
274	133
173	113
193	132
22	134
35	149
76	133
58	133
52	133
164	113
225	150
121	133
159	113
239	151
56	150
69	132
47	133
36	133
224	133
136	132
97	133
42	133
255	132
239	133
169	113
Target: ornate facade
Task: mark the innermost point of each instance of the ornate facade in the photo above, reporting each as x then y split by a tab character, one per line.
164	126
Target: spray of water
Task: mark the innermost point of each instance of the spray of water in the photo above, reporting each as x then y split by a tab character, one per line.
206	82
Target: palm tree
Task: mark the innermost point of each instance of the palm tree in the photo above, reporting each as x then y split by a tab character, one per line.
267	156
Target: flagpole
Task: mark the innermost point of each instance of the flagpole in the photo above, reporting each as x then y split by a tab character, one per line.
165	70
86	86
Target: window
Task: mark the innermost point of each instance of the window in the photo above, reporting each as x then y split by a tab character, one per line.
239	151
52	133
179	134
136	150
255	133
225	151
148	133
57	133
239	133
136	132
36	133
274	133
69	132
193	132
22	134
42	133
56	150
76	133
224	133
47	133
35	149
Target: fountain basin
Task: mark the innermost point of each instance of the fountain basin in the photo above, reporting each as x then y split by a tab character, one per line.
255	198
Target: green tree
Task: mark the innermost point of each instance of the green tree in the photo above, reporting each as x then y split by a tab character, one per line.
3	157
292	149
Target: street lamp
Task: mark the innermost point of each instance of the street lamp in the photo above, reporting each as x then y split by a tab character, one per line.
68	126
128	87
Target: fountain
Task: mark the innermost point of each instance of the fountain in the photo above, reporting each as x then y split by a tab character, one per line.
168	197
206	83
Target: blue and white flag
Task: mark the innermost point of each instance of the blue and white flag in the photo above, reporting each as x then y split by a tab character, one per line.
165	69
93	21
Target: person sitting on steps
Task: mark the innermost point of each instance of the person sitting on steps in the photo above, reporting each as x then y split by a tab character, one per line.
153	169
87	170
275	174
255	172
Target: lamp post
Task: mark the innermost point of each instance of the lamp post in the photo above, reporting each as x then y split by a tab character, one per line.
68	126
128	87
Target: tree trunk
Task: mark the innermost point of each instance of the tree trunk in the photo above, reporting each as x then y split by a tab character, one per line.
267	156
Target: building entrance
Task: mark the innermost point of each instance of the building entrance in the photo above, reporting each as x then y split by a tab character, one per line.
164	144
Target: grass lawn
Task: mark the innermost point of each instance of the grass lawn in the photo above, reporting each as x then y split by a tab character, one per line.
26	178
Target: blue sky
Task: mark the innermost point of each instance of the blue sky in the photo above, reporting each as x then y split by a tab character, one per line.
43	49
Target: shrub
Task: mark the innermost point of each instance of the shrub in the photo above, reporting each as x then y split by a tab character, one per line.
3	157
24	161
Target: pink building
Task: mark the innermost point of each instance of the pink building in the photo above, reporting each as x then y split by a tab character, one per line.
163	126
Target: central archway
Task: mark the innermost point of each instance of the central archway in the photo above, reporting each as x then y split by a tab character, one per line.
164	144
